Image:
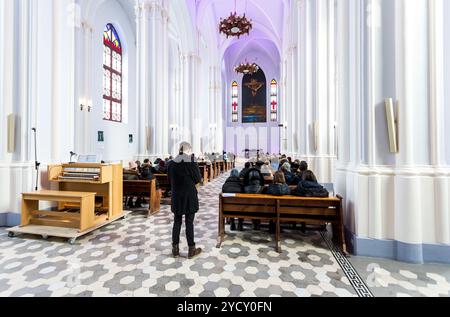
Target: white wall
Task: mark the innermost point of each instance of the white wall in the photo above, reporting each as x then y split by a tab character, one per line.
116	146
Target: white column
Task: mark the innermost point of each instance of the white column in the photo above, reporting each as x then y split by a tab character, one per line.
437	79
191	123
220	119
152	20
8	57
142	26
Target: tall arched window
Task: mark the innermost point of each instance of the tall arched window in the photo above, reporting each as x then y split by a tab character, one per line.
274	101
235	102
112	75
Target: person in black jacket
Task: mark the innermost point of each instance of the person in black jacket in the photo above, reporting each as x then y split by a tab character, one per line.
309	187
253	181
233	185
245	170
279	186
184	176
254	184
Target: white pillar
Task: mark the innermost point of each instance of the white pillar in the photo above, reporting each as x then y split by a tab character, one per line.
153	48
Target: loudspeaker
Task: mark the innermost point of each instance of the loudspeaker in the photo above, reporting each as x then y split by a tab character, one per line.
392	125
11	133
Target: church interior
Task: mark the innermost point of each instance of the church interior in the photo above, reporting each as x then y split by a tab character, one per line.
342	107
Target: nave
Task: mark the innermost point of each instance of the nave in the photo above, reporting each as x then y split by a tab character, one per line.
133	257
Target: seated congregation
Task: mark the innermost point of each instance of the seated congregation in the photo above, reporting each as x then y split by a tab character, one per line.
291	178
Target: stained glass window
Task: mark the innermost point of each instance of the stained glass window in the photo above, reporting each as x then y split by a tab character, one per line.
112	75
274	101
235	102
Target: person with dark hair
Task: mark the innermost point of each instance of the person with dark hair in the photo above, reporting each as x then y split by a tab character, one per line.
233	185
184	176
253	181
295	167
254	184
259	164
309	187
245	170
302	169
161	168
147	171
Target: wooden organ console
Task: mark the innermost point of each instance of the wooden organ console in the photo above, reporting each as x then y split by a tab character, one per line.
88	196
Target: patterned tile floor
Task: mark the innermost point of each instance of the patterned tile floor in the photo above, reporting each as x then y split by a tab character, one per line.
133	258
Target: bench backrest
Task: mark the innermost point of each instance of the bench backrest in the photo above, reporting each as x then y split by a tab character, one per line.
137	187
285	206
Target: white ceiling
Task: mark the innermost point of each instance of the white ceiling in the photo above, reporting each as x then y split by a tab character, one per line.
268	24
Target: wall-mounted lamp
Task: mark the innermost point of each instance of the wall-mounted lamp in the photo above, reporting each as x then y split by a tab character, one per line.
89	105
85	103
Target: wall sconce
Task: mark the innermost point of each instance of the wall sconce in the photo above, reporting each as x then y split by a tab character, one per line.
83	103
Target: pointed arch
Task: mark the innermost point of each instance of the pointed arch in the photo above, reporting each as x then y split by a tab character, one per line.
112	75
274	100
234	102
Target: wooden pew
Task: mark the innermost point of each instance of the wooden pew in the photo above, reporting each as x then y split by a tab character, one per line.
146	189
317	211
163	181
209	170
204	173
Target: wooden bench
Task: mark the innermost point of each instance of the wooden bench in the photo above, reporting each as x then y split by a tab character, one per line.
317	211
204	173
82	220
163	181
146	189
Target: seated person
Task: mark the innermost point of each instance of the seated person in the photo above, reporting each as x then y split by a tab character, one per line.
139	164
266	170
147	172
259	164
302	169
161	168
309	187
253	181
279	186
282	162
245	170
254	184
131	174
233	185
295	166
288	175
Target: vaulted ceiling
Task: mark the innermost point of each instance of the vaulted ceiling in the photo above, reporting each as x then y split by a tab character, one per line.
268	18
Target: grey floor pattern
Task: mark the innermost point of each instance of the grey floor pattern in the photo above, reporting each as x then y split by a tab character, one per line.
133	258
388	278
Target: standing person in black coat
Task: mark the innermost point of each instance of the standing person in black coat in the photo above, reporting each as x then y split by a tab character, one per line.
184	176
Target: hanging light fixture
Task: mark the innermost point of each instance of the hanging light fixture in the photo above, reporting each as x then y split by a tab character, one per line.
247	68
235	25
